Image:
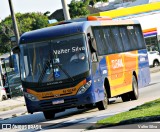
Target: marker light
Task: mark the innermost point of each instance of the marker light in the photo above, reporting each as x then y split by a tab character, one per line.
84	88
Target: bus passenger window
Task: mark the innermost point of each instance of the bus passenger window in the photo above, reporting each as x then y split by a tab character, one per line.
139	36
117	41
125	38
101	45
109	41
132	37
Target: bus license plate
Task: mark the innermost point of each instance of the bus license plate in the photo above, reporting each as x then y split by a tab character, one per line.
58	101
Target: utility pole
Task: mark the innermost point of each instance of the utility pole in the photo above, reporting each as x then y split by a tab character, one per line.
16	32
65	10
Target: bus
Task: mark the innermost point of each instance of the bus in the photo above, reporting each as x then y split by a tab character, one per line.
82	64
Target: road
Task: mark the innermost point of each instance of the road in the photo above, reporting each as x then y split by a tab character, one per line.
80	119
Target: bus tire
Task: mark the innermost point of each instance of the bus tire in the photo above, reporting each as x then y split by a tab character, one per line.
80	107
89	106
155	63
134	94
125	97
102	105
49	115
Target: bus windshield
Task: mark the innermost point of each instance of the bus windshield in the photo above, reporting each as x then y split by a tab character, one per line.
54	60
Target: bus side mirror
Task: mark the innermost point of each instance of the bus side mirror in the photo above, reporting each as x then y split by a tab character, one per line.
93	44
15	50
11	63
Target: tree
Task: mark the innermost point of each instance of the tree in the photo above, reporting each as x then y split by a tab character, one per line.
26	22
47	13
77	9
93	2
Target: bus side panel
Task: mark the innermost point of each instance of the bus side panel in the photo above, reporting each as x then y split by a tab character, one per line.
120	71
144	71
98	79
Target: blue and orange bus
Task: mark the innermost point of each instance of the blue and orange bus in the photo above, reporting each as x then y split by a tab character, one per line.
82	64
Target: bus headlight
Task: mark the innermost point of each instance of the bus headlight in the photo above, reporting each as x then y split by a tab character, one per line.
84	88
31	97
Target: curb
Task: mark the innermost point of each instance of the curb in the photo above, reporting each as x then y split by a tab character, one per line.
19	114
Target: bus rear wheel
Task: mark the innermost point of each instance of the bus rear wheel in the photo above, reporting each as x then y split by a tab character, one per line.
49	114
134	94
102	105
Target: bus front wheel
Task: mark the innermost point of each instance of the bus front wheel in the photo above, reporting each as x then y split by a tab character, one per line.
102	105
49	114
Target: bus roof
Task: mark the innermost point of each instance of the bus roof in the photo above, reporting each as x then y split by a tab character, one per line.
67	29
82	19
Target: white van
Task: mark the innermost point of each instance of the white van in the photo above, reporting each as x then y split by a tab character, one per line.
154	58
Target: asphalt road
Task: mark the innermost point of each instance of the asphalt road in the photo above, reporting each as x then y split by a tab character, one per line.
73	119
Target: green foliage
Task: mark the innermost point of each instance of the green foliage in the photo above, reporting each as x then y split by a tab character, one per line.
92	2
77	9
148	111
46	13
26	22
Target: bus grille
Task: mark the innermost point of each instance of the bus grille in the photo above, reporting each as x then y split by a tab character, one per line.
68	103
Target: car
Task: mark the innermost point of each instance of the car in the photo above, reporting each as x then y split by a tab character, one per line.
3	94
14	88
154	58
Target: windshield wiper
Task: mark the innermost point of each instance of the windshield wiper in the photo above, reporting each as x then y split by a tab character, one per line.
64	71
59	65
47	65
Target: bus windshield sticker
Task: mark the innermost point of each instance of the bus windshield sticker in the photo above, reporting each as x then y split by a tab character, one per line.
56	61
56	72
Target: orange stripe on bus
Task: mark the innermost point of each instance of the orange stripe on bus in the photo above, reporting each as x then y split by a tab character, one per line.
120	71
57	93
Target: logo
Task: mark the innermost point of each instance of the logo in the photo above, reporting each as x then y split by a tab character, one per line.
6	126
56	73
20	127
117	63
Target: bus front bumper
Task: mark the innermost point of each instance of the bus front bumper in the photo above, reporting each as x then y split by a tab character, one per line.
64	103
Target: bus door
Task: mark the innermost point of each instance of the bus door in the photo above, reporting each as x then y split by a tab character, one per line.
96	69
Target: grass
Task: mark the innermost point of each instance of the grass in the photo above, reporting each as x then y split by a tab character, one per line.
147	112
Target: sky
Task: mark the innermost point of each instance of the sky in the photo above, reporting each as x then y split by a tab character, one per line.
24	6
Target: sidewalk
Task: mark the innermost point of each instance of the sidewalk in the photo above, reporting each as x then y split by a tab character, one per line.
11	103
